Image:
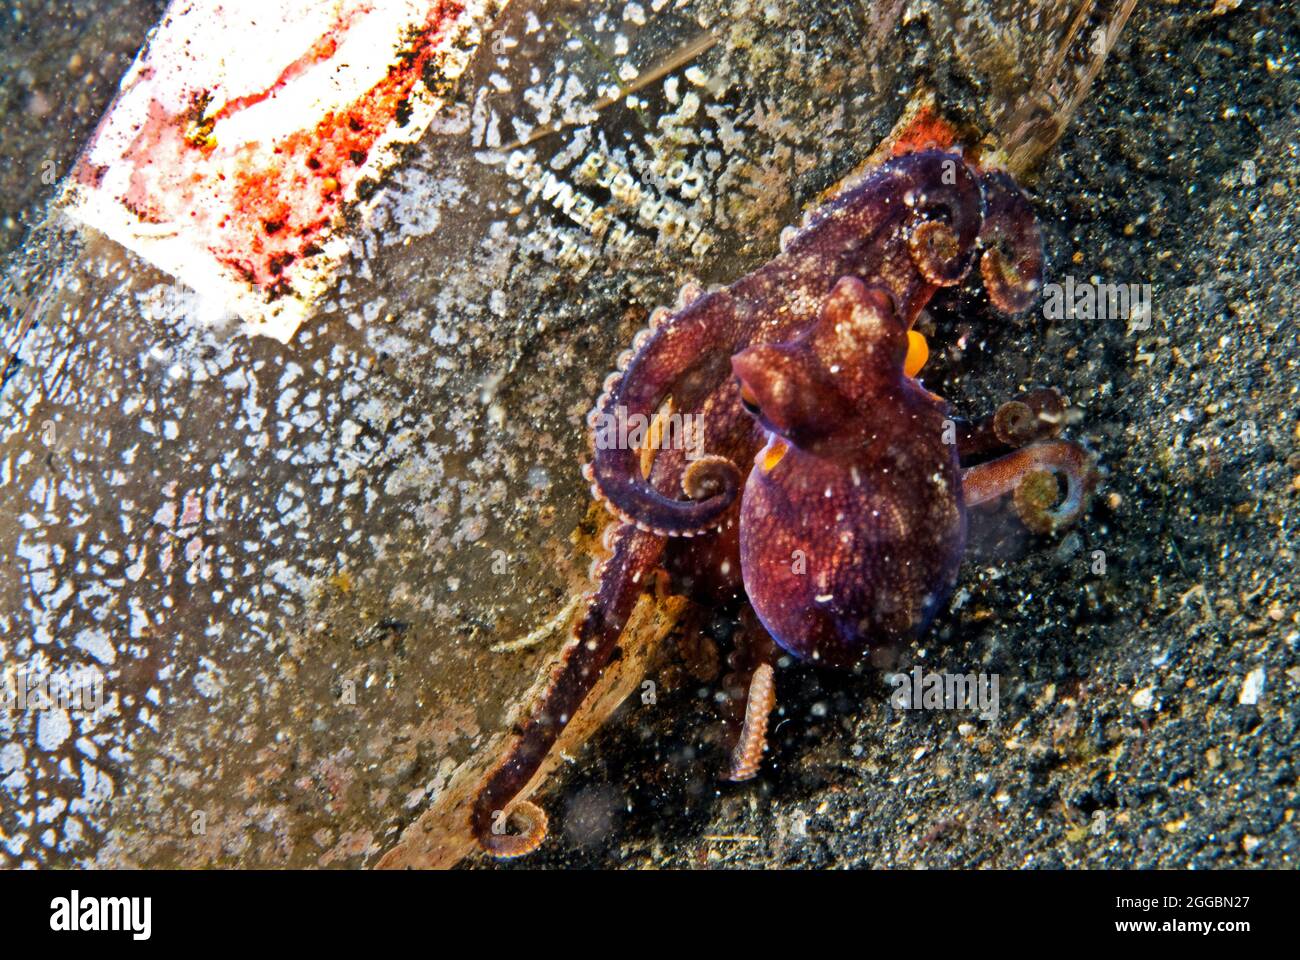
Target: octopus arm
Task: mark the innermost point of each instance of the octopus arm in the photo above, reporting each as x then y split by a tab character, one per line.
595	640
679	360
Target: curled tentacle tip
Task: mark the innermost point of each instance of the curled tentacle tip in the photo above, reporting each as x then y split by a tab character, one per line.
1011	288
1037	494
504	846
1015	424
1040	415
1034	497
711	476
937	253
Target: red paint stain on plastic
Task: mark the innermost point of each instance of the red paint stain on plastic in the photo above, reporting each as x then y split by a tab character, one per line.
258	208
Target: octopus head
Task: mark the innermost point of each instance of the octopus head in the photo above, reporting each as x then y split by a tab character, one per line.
850	525
814	387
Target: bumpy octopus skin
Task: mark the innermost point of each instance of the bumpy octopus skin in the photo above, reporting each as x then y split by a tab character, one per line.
847	285
911	227
852	524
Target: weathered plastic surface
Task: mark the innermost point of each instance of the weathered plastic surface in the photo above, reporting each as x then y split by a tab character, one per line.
246	127
289	563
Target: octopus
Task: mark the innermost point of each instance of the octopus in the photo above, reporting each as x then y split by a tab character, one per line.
845	536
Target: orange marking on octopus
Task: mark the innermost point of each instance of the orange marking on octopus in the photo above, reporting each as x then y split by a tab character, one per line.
918	352
654	437
773	454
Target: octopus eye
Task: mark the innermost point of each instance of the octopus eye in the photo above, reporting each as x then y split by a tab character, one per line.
748	401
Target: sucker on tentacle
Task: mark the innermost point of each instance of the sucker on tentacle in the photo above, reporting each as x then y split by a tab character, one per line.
1012	262
748	752
1030	475
1035	415
506	846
